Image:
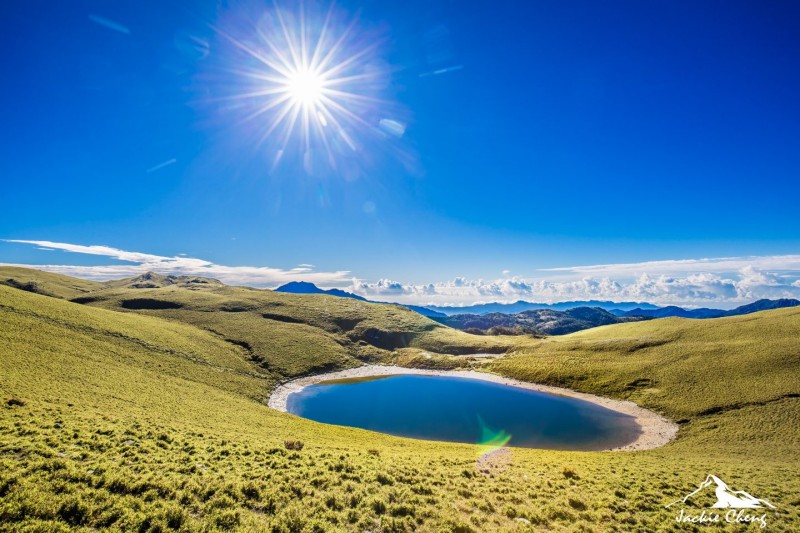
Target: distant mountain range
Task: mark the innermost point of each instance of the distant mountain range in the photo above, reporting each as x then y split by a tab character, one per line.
535	321
304	287
520	306
540	321
565	317
670	311
620	309
553	322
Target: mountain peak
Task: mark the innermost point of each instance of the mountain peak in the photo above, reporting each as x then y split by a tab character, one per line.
154	280
149	276
300	287
305	287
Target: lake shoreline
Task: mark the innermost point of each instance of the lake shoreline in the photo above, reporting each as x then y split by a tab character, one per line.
656	430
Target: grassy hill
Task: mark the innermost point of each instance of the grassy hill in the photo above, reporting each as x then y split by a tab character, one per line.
148	418
46	283
286	334
678	366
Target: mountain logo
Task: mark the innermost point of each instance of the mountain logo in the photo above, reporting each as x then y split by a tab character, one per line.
727	498
736	502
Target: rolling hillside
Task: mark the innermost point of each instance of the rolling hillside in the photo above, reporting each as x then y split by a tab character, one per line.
286	334
677	366
135	418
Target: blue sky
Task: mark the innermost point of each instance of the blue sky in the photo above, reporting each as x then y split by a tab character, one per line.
527	136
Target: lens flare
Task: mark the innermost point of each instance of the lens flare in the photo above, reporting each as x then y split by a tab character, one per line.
491	438
494	454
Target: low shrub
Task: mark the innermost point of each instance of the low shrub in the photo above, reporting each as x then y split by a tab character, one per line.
293	444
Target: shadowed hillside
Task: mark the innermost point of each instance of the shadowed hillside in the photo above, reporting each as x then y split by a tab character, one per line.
286	334
535	322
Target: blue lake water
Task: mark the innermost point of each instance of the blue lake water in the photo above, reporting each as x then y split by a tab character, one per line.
467	410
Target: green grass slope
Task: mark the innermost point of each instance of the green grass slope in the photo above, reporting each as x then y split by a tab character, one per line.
46	283
682	367
129	421
286	334
362	329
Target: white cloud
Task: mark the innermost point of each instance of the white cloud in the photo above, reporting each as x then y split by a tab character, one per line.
140	263
110	24
106	251
720	282
694	289
384	287
719	265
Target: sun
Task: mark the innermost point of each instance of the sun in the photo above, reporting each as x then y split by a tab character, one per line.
309	86
309	80
305	87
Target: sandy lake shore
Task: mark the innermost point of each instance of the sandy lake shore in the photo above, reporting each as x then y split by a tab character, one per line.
656	430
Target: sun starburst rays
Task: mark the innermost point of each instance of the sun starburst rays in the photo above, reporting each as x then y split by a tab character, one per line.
307	87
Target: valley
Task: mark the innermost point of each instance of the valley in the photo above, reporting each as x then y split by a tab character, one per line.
154	416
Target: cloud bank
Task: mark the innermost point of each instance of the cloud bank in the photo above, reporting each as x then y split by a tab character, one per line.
699	289
722	282
715	282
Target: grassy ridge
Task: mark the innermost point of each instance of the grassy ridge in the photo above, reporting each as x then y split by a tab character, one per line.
286	334
292	334
140	422
678	366
46	283
42	333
